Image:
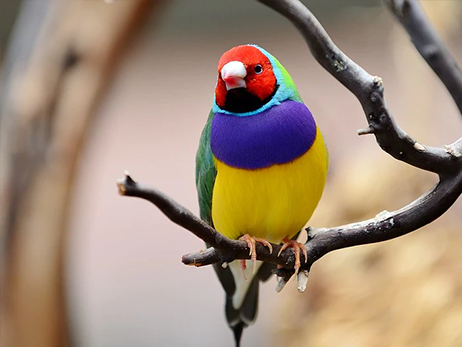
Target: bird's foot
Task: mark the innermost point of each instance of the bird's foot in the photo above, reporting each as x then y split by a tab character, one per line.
251	243
297	247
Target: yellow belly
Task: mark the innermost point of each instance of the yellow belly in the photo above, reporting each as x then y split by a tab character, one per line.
271	203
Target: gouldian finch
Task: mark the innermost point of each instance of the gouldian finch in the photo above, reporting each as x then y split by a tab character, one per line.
261	167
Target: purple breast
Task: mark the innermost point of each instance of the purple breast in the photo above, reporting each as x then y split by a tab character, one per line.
276	136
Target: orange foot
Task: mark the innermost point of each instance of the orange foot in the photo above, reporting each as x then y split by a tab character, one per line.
297	247
251	242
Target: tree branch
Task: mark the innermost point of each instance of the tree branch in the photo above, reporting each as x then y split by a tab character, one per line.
445	161
385	226
226	250
429	44
367	88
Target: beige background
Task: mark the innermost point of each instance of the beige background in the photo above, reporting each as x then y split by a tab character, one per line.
126	281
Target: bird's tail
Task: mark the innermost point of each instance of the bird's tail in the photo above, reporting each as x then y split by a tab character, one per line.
238	319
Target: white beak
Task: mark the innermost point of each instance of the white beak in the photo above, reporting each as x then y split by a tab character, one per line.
233	73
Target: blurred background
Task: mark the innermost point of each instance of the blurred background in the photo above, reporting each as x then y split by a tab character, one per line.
89	89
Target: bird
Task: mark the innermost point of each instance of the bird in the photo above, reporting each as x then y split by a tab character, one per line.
261	168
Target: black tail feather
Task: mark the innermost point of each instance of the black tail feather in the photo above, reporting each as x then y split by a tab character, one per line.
237	330
246	314
249	308
240	318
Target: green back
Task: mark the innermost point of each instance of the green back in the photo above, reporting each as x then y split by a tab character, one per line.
205	172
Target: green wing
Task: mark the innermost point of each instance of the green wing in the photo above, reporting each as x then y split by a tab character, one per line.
205	172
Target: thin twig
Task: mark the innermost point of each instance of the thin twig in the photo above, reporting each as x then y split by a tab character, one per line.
429	44
367	88
225	250
387	225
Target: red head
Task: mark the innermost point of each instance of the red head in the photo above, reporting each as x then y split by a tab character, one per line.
246	79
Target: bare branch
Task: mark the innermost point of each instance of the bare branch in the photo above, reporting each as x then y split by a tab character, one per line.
385	226
429	44
225	250
174	211
367	88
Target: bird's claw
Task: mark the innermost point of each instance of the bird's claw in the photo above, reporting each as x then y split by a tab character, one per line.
251	243
297	247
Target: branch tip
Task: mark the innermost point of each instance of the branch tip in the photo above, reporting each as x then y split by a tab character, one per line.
121	187
419	147
128	178
452	151
124	183
366	131
378	81
190	260
429	44
281	284
302	280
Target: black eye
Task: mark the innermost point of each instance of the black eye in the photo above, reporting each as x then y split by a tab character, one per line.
258	69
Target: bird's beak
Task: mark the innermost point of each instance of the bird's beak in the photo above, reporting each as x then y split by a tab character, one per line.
233	73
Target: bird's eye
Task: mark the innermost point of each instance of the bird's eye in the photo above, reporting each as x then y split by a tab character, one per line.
258	69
